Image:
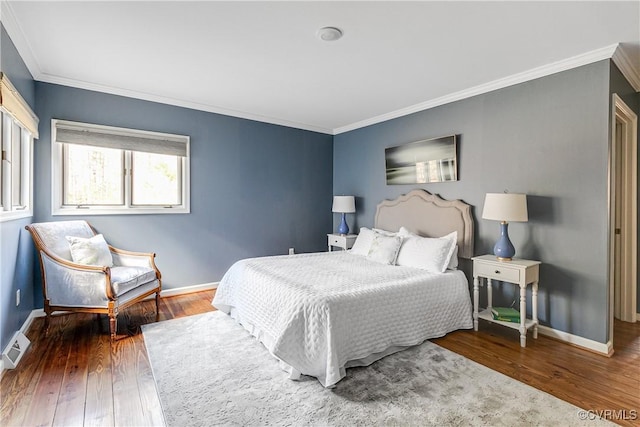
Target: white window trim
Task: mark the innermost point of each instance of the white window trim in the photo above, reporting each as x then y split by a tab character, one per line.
8	213
58	208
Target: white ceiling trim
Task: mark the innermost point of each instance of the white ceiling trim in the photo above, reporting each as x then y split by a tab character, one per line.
545	70
626	67
48	78
19	40
535	73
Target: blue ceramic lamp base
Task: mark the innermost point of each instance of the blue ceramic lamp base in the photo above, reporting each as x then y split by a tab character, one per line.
344	228
503	249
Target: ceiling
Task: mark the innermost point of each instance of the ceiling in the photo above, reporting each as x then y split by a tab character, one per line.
263	61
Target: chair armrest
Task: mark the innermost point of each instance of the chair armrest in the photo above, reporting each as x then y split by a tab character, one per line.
125	258
69	284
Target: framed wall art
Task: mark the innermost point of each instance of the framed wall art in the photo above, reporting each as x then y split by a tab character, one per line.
421	162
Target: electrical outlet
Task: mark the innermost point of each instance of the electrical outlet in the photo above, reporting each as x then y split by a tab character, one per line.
18	297
291	251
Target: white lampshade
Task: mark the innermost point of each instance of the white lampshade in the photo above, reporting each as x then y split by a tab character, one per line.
344	204
507	207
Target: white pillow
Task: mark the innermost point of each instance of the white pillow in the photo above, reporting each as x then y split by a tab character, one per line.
363	242
385	232
92	251
384	249
431	254
453	262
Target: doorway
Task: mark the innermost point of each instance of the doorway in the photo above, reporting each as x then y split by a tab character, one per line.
623	215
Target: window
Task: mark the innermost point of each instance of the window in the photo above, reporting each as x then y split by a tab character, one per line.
108	170
18	127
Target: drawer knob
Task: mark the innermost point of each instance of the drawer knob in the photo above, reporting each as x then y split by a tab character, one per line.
497	271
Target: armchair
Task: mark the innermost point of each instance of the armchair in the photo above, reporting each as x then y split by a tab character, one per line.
71	286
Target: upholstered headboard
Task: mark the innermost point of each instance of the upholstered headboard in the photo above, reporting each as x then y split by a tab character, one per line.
428	215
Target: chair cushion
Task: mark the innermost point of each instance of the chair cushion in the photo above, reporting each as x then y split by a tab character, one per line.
123	279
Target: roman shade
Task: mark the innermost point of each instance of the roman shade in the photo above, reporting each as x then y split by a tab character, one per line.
13	103
67	132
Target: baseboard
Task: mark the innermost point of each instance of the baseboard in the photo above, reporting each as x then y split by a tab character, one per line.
188	289
39	312
585	343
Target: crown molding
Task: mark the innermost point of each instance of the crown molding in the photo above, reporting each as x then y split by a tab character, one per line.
535	73
631	73
18	38
48	78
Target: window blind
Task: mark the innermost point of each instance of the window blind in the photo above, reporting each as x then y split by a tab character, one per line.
14	104
67	132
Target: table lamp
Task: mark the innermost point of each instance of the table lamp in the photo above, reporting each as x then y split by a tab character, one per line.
505	207
344	205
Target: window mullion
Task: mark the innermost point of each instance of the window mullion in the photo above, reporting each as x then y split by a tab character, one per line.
128	179
2	167
7	198
27	168
17	202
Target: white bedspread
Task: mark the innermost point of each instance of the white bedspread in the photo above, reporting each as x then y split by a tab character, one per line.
318	311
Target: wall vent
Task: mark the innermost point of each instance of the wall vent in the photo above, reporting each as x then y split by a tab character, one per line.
15	350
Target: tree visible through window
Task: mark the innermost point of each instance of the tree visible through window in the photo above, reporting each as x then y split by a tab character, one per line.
155	179
93	175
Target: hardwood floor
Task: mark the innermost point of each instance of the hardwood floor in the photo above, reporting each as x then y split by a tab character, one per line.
74	377
608	386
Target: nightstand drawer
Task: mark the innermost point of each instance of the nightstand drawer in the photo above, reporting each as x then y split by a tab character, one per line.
336	240
497	272
344	241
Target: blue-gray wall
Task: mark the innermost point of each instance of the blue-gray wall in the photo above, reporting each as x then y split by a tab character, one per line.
547	138
256	189
16	248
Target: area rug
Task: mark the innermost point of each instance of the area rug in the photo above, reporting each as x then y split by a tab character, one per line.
210	371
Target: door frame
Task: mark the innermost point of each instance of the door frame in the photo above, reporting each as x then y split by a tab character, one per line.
620	112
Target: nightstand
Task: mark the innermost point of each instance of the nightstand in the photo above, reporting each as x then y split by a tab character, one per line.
344	241
521	272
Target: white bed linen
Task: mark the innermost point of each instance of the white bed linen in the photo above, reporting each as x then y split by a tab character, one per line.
317	312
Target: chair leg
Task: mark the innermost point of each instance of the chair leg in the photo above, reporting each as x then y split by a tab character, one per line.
113	326
113	321
47	318
157	306
47	323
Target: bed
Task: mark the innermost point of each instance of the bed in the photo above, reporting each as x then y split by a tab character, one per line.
320	313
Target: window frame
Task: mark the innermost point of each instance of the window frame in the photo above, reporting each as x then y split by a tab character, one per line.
9	211
128	208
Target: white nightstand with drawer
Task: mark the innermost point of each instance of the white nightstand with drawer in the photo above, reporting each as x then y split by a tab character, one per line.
518	271
344	241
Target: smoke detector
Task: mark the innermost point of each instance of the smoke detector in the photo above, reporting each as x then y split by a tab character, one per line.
329	34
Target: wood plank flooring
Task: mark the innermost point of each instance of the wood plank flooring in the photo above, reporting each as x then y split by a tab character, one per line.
74	377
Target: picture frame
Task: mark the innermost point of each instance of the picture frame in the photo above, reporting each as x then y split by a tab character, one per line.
422	162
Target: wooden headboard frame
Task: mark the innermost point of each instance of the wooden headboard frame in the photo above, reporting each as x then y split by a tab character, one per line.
428	215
